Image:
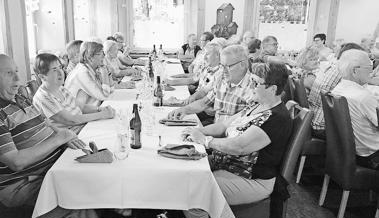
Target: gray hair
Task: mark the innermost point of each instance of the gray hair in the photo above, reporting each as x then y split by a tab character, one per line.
268	39
88	50
214	47
118	35
108	45
350	59
238	52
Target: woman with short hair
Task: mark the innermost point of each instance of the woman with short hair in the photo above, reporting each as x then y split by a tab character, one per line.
90	82
247	148
56	102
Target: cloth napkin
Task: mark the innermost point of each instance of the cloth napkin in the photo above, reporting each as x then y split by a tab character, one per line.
176	151
172	102
169	88
96	155
168	122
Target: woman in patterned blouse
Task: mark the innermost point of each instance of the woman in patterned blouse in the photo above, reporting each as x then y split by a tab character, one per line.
248	147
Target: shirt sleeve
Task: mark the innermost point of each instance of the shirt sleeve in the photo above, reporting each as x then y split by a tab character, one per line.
6	140
47	105
368	107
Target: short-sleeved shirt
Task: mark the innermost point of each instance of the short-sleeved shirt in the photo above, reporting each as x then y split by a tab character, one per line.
22	126
208	77
324	82
229	99
49	105
362	107
263	164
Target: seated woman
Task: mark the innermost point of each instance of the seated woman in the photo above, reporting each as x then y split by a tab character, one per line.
89	82
56	102
116	68
188	51
248	147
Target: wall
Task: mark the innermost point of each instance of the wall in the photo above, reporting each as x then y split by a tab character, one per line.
103	21
210	13
356	19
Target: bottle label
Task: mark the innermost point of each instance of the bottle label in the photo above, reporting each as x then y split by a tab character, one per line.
132	137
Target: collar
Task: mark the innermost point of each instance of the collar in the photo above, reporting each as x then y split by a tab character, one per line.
350	83
19	101
244	81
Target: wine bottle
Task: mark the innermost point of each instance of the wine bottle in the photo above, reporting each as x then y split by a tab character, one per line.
158	93
135	129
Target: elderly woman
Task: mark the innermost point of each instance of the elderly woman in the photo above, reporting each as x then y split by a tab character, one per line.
56	102
248	147
89	82
188	51
123	51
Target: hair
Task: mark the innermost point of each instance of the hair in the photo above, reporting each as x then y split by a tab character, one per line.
208	36
112	38
89	49
268	39
108	44
214	47
254	45
321	36
236	51
349	59
43	61
220	41
118	35
73	48
273	74
190	35
348	46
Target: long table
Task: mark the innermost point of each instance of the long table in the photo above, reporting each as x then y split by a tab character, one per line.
143	180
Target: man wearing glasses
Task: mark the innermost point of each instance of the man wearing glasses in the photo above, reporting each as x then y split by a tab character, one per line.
232	92
356	67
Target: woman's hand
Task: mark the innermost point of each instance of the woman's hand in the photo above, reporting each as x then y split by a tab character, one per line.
108	112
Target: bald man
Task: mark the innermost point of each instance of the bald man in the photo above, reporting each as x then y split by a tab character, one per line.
28	146
356	67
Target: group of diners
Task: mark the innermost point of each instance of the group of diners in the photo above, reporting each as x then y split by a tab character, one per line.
236	85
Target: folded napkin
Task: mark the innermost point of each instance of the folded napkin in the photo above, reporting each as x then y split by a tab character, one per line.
96	155
136	78
168	122
186	152
169	88
181	75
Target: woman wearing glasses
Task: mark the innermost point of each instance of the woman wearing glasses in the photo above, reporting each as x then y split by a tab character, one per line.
57	103
247	148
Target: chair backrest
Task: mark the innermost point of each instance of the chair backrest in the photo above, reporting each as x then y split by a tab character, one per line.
340	145
24	92
302	118
300	94
32	87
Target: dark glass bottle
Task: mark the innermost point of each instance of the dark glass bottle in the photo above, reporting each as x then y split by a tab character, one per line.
158	93
151	70
154	52
135	129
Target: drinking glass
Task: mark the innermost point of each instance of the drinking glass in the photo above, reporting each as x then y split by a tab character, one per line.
121	150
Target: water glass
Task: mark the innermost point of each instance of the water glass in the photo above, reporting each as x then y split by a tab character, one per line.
122	146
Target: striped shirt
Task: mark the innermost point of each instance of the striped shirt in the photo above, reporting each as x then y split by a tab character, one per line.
208	77
229	99
22	126
49	105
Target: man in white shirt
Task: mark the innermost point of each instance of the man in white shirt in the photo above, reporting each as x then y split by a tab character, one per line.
356	67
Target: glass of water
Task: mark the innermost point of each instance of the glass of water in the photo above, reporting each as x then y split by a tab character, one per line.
121	150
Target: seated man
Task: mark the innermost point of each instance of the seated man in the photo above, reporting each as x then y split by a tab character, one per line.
247	38
355	66
28	146
269	49
188	51
231	94
325	81
73	49
248	147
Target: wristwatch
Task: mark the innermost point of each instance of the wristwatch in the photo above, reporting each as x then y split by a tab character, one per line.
207	140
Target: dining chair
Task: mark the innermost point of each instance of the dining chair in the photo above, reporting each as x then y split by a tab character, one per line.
313	145
32	87
271	207
23	91
340	164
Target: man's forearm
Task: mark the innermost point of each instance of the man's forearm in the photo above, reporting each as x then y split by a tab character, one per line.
196	107
216	129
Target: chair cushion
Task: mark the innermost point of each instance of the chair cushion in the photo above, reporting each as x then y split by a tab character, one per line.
260	209
366	179
315	146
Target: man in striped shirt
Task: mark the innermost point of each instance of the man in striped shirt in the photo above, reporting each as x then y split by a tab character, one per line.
233	92
28	145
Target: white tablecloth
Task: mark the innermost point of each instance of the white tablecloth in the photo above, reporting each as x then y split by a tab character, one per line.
143	180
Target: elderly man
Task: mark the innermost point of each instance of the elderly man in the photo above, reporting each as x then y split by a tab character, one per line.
269	48
355	66
123	51
247	38
28	146
205	38
231	94
188	51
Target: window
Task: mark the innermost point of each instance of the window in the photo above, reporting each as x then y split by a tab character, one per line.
2	28
81	19
286	20
44	20
158	22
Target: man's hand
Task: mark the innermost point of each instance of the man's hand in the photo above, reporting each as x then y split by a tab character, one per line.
64	135
194	135
177	114
76	144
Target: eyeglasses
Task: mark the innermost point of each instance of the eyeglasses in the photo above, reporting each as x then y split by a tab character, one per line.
227	67
100	53
367	67
59	67
274	44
